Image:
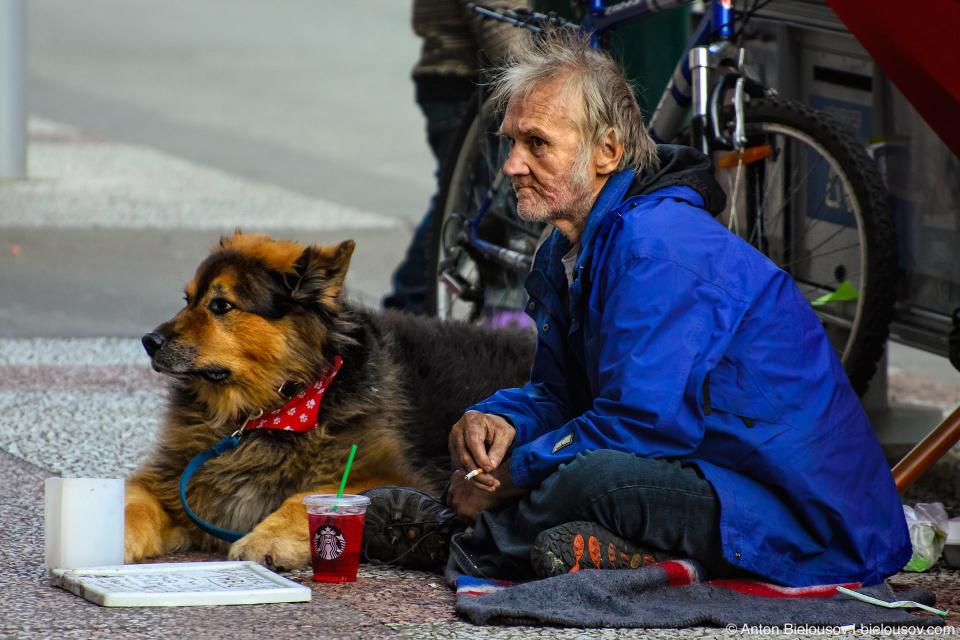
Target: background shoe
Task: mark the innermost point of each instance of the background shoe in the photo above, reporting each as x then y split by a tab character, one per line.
586	545
407	527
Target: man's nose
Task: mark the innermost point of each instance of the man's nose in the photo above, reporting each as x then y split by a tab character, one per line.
515	166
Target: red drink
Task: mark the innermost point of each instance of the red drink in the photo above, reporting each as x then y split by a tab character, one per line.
336	529
335	546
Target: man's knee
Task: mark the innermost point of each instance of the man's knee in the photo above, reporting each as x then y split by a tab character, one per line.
595	471
593	474
602	463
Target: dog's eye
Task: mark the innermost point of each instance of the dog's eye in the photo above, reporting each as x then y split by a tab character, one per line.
219	306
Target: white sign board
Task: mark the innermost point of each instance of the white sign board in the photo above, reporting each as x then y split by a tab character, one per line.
180	584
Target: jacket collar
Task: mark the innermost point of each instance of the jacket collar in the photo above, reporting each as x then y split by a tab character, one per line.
610	196
682	167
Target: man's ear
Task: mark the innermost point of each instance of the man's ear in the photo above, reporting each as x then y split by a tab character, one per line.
320	272
607	154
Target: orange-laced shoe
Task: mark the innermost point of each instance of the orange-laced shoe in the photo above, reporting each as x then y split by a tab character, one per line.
586	545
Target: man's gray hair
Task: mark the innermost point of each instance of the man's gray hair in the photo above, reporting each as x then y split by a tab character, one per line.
590	80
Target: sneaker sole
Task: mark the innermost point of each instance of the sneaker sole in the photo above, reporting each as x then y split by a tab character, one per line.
584	545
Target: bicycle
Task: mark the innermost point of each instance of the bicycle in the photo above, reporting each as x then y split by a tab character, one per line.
800	189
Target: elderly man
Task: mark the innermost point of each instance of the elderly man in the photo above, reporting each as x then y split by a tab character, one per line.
684	399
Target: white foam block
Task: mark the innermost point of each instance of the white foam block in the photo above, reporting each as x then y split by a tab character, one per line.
83	522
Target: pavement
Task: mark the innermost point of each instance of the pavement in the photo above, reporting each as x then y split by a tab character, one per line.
312	96
94	250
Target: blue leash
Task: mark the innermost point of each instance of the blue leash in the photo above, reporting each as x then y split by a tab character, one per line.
221	447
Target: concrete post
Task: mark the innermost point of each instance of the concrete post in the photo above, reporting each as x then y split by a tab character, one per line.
13	100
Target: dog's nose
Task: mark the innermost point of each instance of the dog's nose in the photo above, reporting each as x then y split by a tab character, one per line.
152	342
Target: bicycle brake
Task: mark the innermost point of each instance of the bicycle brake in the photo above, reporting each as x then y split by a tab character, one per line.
459	286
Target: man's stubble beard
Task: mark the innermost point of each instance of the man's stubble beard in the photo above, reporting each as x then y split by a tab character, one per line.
575	184
576	212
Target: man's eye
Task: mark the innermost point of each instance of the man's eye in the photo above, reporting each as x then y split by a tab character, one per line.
219	306
538	142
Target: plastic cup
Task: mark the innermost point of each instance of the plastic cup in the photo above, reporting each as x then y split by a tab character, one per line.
336	528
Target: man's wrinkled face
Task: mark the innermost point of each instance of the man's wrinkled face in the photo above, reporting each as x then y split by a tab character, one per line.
546	164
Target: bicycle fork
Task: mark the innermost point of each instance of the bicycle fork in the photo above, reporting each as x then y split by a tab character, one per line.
709	130
705	106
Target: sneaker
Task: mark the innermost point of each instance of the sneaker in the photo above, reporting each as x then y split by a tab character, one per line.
407	527
584	545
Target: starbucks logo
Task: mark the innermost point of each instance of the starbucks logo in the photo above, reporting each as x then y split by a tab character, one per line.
329	542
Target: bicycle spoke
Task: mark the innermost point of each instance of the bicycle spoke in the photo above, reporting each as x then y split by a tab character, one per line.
817	256
786	175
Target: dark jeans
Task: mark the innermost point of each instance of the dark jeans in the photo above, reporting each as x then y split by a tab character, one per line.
655	503
409	279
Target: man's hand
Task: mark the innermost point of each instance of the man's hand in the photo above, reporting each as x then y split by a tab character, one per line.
480	441
469	497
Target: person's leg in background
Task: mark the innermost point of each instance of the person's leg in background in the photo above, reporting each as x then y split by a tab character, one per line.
443	100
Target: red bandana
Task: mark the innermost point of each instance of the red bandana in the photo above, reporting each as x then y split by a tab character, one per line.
300	414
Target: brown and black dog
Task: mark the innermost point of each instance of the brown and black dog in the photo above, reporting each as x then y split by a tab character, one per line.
264	319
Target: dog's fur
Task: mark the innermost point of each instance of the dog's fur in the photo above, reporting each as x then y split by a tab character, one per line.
261	313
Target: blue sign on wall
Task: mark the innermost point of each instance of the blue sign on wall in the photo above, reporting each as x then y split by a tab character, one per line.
824	185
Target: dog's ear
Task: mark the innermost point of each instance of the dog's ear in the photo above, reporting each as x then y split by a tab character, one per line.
320	272
225	240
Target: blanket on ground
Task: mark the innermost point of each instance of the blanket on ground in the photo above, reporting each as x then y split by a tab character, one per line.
671	595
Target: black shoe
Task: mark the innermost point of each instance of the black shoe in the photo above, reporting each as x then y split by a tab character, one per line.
585	545
407	527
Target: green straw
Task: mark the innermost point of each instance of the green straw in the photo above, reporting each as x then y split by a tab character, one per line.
346	471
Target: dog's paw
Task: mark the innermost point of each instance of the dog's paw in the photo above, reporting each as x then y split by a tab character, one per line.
143	531
149	530
138	546
281	553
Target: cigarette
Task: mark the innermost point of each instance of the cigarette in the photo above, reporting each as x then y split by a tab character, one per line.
473	474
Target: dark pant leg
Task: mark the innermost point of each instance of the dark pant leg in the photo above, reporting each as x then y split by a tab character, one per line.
654	503
409	283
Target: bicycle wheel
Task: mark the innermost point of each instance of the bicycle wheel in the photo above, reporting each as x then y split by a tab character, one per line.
810	198
462	282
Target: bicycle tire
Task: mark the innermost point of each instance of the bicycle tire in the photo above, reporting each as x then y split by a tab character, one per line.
462	284
818	209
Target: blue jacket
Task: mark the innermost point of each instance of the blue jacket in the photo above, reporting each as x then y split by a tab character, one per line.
663	296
